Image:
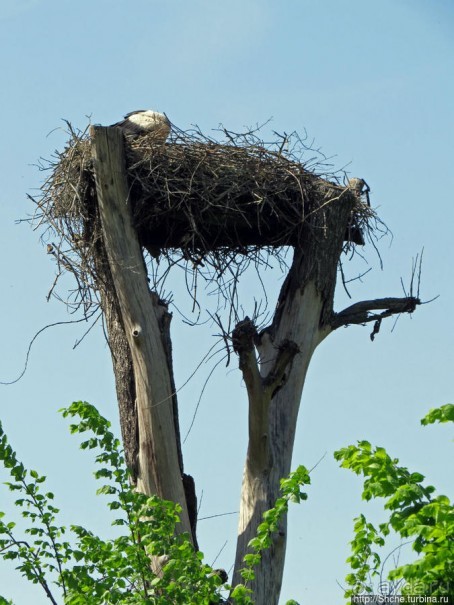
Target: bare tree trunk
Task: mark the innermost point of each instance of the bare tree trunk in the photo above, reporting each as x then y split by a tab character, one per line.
274	362
158	456
274	382
273	411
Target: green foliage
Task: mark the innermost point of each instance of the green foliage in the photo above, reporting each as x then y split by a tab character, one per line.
87	569
363	560
445	413
291	492
415	513
45	551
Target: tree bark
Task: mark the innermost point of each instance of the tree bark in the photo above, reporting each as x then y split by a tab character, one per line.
158	458
274	364
285	349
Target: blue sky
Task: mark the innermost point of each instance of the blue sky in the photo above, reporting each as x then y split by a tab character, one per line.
372	83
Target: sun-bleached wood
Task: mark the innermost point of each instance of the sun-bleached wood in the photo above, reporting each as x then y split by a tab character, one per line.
158	465
273	362
274	365
272	423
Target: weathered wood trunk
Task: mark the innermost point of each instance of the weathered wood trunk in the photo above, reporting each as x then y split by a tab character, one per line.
158	457
274	362
284	351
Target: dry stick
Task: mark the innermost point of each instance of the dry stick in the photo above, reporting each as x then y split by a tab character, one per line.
360	312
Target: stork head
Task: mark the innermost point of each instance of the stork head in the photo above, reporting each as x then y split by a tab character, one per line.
145	121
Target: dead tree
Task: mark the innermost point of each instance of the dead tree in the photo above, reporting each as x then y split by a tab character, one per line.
210	202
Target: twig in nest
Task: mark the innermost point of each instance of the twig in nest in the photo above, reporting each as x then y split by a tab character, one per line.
213	208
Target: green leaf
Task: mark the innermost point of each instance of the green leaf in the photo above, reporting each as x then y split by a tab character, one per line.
444	413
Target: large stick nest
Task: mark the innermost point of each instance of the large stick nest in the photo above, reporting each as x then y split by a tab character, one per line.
203	196
199	202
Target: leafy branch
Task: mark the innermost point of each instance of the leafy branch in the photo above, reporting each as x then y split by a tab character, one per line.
92	571
47	552
291	492
415	512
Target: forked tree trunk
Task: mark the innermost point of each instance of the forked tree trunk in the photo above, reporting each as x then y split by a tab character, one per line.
284	351
272	421
274	362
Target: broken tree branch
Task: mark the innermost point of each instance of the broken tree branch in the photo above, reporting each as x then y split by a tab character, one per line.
243	344
260	389
243	337
362	312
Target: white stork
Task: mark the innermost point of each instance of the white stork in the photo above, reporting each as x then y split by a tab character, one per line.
146	121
